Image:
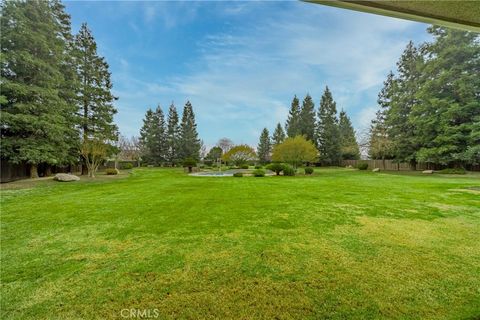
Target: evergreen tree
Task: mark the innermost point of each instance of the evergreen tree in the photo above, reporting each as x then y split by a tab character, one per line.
348	143
153	137
160	147
37	113
264	147
307	119
173	135
328	135
293	120
278	135
147	140
402	100
446	119
380	144
95	91
189	145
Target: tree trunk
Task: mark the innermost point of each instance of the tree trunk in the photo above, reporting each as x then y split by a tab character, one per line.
413	165
383	163
48	171
33	171
84	169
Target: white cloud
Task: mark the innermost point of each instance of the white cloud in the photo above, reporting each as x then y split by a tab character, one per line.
243	80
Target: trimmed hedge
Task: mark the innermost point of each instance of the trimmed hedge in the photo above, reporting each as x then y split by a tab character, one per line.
111	171
453	171
308	170
275	167
258	173
362	166
238	174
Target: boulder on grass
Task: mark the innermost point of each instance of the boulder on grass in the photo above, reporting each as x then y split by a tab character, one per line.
65	177
376	170
427	171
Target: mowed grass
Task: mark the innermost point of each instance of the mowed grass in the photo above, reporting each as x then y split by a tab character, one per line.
340	244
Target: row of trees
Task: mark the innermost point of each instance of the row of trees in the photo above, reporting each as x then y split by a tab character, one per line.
169	141
56	99
333	136
430	108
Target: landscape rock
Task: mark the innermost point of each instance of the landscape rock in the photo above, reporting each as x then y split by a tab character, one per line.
65	177
349	167
427	171
376	170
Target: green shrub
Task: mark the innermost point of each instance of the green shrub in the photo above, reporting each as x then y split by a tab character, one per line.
189	162
238	174
288	170
258	167
244	166
453	171
362	166
275	167
111	171
258	173
308	170
127	166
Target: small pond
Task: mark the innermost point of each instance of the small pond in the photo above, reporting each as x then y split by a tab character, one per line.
227	173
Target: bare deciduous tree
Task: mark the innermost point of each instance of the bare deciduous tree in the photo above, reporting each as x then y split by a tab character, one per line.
94	151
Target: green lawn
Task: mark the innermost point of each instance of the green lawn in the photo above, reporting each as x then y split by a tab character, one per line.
340	244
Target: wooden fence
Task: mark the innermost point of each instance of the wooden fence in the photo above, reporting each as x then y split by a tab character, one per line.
391	165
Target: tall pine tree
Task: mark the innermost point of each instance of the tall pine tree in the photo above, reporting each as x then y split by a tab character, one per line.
328	135
278	135
153	137
189	144
447	116
95	91
173	135
380	143
292	125
264	147
37	111
307	119
348	143
403	99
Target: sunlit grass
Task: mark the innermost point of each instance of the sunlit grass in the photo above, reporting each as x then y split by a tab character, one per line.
340	244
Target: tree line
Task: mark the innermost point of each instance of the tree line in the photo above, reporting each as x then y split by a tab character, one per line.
332	134
169	141
56	100
429	110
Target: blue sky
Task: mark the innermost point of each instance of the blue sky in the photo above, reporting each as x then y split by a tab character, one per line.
240	63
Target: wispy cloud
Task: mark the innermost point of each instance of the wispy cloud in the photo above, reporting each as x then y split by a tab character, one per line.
242	74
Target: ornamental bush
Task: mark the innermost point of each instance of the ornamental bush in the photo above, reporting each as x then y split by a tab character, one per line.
362	166
258	173
127	166
275	167
288	170
308	170
238	174
244	166
111	171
